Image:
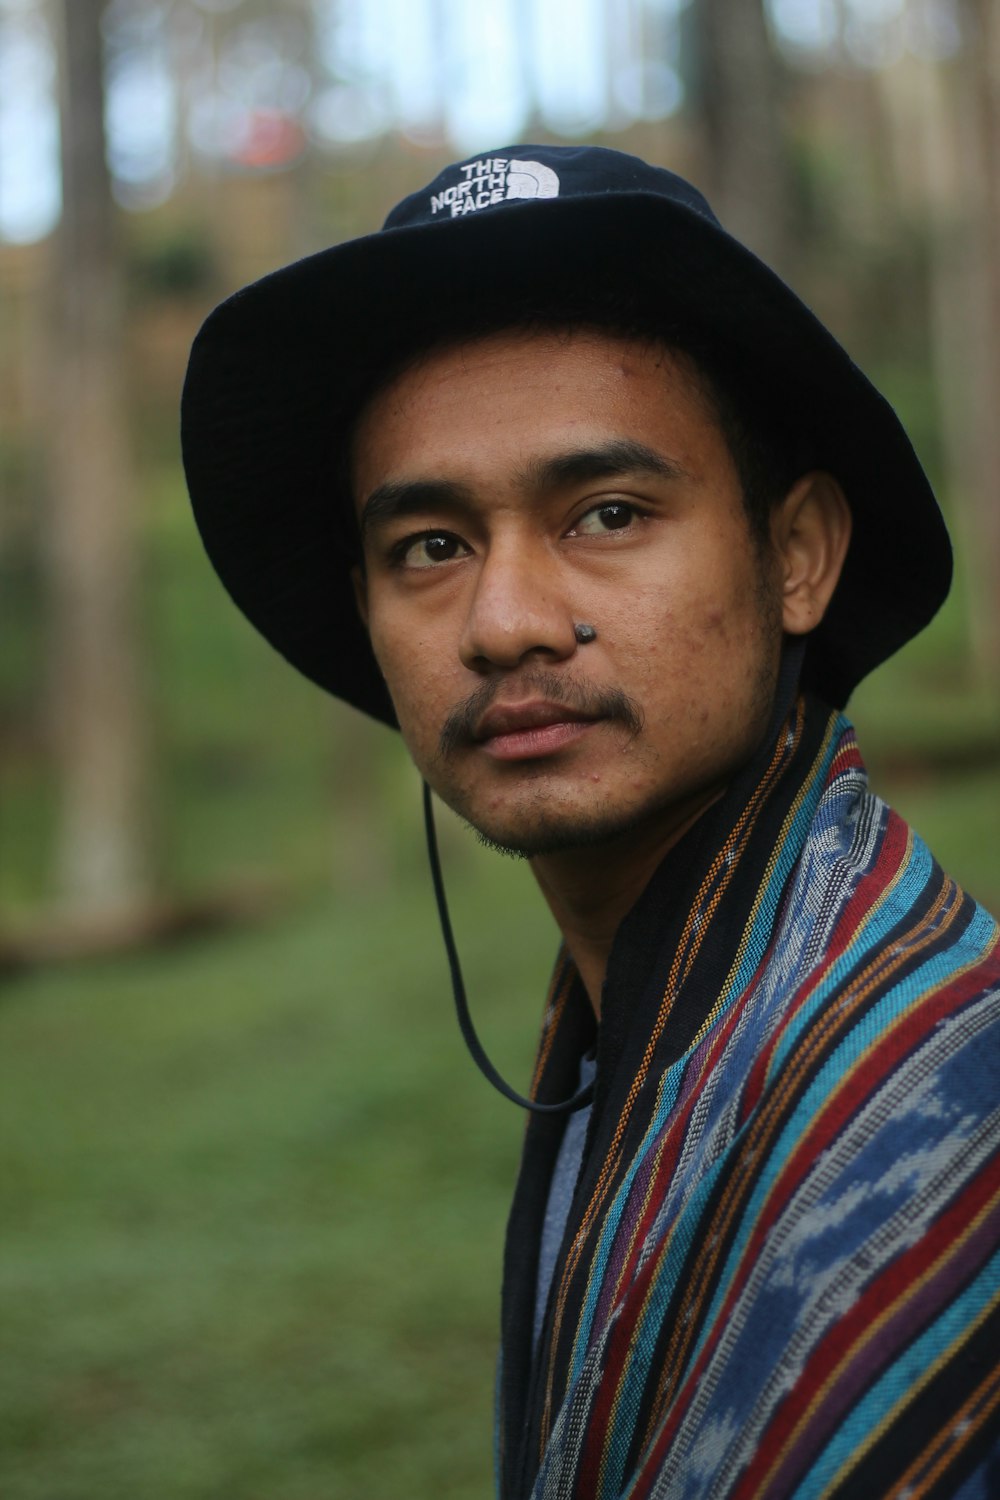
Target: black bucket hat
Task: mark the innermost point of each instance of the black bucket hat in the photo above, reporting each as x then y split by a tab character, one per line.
277	373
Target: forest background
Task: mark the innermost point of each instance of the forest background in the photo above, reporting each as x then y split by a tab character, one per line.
252	1192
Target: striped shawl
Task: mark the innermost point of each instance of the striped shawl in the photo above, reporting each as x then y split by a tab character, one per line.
781	1271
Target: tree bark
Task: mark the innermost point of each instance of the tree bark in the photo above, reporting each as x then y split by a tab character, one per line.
978	99
734	80
960	118
97	721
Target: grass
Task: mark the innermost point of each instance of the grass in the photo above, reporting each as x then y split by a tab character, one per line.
930	732
254	1198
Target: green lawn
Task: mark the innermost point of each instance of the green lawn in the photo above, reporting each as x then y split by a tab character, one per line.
253	1204
930	733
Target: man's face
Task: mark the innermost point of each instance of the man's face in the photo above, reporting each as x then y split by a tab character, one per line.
511	487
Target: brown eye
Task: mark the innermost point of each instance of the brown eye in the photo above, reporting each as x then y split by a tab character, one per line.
613	515
430	549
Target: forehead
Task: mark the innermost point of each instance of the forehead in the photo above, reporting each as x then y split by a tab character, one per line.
521	393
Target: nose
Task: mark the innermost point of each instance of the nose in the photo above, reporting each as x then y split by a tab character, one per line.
518	608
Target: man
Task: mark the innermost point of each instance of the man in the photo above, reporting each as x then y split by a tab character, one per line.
556	476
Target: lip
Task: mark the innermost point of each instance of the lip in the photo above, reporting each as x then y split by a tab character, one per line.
528	731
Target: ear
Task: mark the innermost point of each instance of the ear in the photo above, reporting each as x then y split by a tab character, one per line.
360	585
810	530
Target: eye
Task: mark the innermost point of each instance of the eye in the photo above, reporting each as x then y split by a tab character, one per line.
613	515
428	549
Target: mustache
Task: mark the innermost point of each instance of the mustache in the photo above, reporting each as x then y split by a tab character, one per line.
567	692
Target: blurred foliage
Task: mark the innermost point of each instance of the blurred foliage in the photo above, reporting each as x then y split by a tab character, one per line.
180	264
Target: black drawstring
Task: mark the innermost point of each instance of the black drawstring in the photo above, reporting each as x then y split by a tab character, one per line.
568	1106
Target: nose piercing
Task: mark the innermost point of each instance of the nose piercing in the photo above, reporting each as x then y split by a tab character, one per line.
584	634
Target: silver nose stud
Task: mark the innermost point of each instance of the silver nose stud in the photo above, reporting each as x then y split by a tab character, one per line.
584	634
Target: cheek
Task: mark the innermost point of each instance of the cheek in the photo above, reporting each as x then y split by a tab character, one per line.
736	610
397	643
690	633
418	693
680	617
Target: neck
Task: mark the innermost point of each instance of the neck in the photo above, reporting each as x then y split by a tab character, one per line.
590	890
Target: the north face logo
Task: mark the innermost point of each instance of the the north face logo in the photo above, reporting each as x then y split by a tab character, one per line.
491	181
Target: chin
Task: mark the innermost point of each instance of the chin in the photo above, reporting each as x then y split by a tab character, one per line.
558	833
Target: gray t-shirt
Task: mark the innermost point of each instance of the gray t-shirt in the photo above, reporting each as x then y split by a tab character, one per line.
561	1189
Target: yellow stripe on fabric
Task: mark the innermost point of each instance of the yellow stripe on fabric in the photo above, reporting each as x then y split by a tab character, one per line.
559	993
932	1371
870	1333
959	1431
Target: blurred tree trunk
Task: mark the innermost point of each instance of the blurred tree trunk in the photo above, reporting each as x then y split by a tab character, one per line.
977	98
96	714
734	79
958	115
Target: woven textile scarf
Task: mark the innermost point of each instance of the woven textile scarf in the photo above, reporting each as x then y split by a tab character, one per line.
781	1271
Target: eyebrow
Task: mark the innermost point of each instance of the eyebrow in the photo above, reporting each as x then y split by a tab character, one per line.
622	456
396	498
399	498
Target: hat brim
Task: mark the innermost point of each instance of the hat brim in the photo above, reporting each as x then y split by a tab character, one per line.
273	382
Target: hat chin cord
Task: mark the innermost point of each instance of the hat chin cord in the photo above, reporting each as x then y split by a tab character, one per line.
567	1106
